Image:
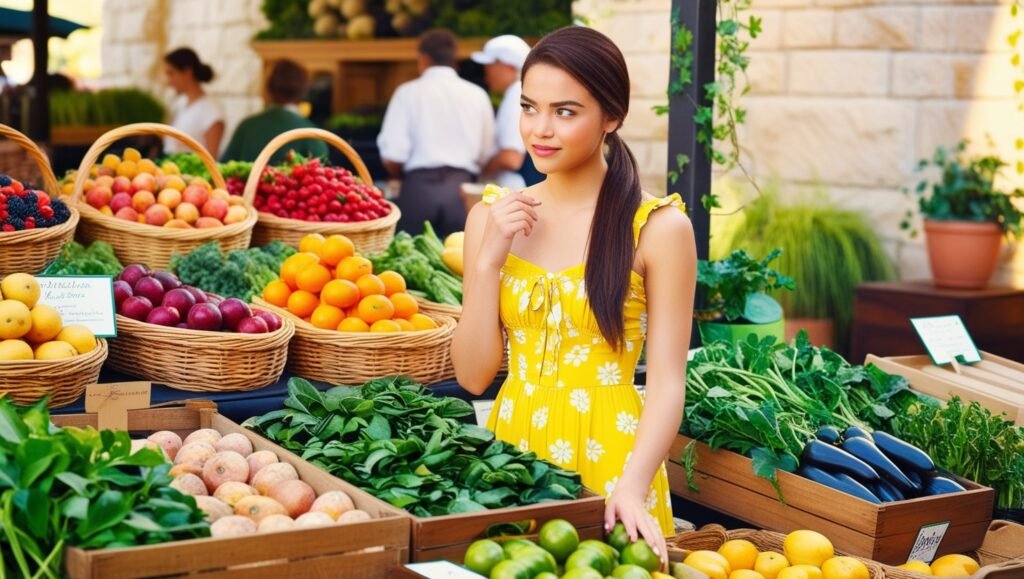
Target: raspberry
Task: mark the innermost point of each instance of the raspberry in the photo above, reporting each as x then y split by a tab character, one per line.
7	227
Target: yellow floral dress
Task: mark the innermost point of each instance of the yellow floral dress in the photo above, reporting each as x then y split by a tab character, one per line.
569	395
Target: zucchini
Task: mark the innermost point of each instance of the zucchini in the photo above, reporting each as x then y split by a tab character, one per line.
903	453
847	485
863	449
833	459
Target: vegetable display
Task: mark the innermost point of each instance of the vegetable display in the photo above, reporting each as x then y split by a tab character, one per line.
395	440
737	288
241	273
76	259
421	261
83	488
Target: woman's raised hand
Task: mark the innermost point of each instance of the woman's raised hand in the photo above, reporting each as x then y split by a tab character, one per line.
509	216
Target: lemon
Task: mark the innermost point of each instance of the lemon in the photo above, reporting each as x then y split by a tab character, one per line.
770	563
15	350
844	568
797	572
21	287
807	548
46	324
710	563
954	566
917	567
15	319
740	553
745	574
55	351
78	336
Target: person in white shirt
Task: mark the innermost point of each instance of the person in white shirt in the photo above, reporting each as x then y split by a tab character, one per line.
438	133
193	112
503	58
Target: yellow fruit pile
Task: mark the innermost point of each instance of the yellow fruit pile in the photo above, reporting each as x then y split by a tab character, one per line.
945	566
31	331
331	287
806	555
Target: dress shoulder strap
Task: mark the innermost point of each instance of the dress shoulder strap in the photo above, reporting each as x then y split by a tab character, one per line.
648	207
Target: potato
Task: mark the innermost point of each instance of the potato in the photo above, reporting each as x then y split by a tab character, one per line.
232	526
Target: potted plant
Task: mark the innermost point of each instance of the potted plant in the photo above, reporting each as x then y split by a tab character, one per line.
736	290
965	216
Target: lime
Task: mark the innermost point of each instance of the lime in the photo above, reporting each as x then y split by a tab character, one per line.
591	559
536	560
606	549
513	546
630	572
509	569
559	538
546	575
641	554
482	556
581	573
618	538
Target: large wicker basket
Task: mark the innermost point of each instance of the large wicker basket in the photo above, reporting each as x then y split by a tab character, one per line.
148	244
369	236
711	537
30	250
436	309
354	358
64	381
200	361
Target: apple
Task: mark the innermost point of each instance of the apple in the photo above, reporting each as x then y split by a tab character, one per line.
236	214
122	184
252	325
136	308
169	198
187	212
205	317
128	214
122	291
272	320
158	214
99	197
134	273
164	316
208	222
196	195
177	224
119	201
142	201
150	288
144	182
234	311
216	208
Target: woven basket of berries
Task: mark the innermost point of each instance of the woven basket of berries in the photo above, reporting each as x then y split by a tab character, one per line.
149	213
34	224
312	198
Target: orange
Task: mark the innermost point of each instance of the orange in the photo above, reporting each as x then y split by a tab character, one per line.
311	243
385	326
327	317
352	312
302	303
406	325
370	285
422	322
335	249
313	278
340	293
276	293
393	282
294	264
352	324
353	267
405	305
375	308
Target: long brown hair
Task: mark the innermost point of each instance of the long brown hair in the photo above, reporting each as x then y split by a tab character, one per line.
595	62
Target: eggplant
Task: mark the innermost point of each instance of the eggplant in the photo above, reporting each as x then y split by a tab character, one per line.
916	478
833	459
856	431
828	434
941	485
861	488
903	453
847	485
863	449
887	492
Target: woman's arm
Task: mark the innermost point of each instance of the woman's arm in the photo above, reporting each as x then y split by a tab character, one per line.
668	254
212	138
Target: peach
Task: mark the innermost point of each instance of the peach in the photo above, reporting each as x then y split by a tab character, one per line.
275	523
177	224
120	201
224	467
187	212
233	491
294	495
273	475
174	182
144	182
195	453
236	214
208	222
158	214
354	516
99	197
104	181
309	520
189	484
106	210
122	185
221	194
232	526
169	441
207	435
200	182
214	508
258	508
142	201
332	503
260	459
216	208
236	442
141	218
105	172
180	469
196	195
170	198
236	200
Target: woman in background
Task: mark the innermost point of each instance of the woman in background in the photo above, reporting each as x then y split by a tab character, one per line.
193	112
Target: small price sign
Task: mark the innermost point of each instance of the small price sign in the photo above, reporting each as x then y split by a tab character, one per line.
947	340
441	570
928	540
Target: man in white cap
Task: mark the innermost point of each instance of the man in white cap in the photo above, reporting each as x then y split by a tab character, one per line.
503	58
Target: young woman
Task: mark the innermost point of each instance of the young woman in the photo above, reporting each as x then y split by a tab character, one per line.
193	112
576	271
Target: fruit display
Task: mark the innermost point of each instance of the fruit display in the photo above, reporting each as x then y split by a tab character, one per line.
160	298
244	492
23	208
234	172
309	191
76	259
31	330
433	267
332	288
954	565
136	189
241	273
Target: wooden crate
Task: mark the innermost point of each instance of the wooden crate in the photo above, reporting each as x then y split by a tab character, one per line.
884	532
365	550
993	396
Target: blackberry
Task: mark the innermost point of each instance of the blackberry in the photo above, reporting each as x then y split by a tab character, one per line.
5	180
61	213
17	222
18	208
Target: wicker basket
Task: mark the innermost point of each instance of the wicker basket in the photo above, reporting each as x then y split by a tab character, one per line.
368	236
354	358
148	244
436	309
64	381
711	537
30	250
200	361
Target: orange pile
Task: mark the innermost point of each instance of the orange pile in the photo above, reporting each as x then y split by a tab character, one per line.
331	287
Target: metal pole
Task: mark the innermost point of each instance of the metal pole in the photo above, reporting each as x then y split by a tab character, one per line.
40	99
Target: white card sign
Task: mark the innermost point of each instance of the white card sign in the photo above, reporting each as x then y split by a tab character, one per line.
87	300
483	411
946	338
928	540
442	570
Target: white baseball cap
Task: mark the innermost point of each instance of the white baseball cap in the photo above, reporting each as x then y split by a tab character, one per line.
508	48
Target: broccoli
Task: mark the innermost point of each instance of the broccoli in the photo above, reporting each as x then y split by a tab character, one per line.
241	273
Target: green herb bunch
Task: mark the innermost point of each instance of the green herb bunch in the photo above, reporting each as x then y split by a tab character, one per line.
76	259
729	282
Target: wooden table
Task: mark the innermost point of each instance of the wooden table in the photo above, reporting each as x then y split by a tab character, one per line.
881	320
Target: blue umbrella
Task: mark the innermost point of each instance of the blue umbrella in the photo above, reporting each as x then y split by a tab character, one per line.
18	23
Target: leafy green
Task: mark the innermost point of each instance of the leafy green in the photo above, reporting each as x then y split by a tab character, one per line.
242	273
189	163
115	106
418	259
728	282
395	440
76	259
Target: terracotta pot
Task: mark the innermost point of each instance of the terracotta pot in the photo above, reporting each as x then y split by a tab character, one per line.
962	254
820	331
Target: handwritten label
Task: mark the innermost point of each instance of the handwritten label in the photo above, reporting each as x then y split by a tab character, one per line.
946	339
111	402
928	540
83	300
442	570
483	411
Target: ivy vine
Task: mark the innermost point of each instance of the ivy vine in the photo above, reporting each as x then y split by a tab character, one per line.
1017	60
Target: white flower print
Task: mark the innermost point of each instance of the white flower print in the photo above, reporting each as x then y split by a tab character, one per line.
505	412
594	450
609	374
561	451
519	336
629	345
652	500
580	400
626	423
578	355
529	389
518	285
643	323
560	384
524	445
609	487
540	418
581	291
524	301
521	365
555	316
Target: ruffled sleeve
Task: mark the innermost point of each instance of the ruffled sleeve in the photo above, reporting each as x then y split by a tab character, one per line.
648	207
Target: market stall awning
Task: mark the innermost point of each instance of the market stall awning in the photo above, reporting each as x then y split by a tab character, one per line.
18	23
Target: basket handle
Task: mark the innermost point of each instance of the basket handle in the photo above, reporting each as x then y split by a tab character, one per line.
112	136
283	139
37	154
